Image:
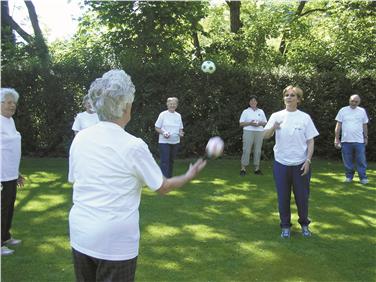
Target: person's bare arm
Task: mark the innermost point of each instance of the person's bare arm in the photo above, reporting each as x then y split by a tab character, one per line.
175	182
365	133
310	148
337	131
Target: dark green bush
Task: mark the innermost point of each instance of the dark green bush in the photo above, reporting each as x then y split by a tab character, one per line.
209	104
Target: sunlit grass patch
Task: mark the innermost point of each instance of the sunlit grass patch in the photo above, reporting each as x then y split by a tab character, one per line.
220	227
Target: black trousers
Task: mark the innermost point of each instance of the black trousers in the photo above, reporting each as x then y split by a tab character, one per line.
8	198
89	269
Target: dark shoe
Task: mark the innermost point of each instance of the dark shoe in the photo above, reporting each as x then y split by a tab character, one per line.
285	234
258	172
305	231
242	172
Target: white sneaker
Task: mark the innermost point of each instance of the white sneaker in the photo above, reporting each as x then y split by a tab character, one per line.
5	251
12	242
348	180
364	181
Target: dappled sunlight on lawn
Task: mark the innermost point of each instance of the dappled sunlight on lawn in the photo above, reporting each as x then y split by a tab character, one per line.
219	227
228	198
203	232
48	202
257	250
161	230
43	176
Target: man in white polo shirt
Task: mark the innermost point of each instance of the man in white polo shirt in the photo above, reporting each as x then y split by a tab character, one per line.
352	122
108	168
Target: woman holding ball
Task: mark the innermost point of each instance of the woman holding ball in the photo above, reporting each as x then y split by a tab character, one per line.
294	145
169	125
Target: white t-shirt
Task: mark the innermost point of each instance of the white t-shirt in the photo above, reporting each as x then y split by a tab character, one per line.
172	123
84	120
108	167
352	123
249	115
291	139
10	146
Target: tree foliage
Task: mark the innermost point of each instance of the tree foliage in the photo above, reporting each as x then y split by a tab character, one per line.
259	47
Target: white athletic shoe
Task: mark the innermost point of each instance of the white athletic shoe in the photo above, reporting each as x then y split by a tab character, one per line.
12	242
5	251
348	180
364	181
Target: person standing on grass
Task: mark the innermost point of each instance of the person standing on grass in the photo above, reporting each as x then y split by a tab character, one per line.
169	125
252	120
294	145
10	147
85	119
108	168
352	122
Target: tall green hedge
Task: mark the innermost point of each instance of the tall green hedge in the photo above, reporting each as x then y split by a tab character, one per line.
209	104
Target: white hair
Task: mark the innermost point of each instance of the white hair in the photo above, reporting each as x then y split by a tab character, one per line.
110	94
9	92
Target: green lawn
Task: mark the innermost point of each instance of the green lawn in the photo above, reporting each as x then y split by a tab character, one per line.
221	227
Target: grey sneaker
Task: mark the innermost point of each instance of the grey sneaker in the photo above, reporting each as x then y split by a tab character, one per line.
243	172
285	234
305	231
5	251
12	242
347	180
364	181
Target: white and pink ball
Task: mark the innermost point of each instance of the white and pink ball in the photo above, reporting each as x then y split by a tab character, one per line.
214	148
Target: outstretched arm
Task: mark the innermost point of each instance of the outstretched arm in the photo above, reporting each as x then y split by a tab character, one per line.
172	183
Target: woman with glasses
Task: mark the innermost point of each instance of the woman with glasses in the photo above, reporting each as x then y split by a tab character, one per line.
10	147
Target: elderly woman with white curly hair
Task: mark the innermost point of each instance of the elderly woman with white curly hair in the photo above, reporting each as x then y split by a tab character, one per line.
108	168
10	147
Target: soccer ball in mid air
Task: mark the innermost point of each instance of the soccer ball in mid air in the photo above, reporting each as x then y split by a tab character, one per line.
214	148
208	67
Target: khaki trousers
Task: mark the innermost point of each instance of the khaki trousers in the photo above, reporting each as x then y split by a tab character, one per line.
252	139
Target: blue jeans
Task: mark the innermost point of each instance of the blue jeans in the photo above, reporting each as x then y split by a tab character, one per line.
168	153
354	152
286	177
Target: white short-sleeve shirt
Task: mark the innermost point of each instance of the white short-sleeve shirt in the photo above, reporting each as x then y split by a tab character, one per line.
10	147
249	115
108	167
291	139
84	120
172	123
352	123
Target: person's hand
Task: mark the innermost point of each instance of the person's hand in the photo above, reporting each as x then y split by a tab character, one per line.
337	145
277	125
305	167
20	181
195	168
166	134
181	133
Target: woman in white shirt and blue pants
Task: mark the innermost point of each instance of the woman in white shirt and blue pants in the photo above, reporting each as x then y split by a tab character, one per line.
293	151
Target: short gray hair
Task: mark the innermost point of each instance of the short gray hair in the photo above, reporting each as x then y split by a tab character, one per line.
85	99
110	94
9	92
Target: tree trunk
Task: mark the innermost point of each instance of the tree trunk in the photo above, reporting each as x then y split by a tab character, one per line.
7	35
196	43
282	45
40	43
236	24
